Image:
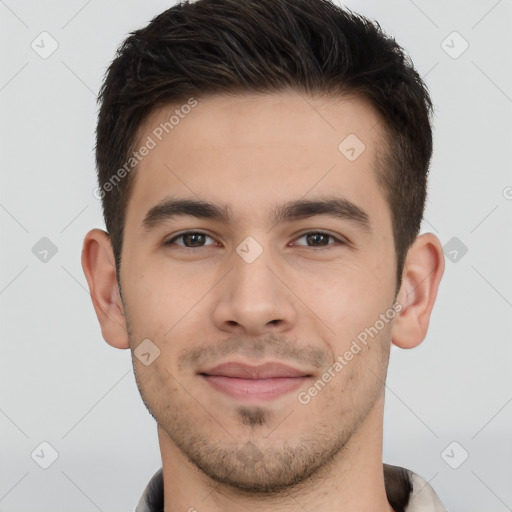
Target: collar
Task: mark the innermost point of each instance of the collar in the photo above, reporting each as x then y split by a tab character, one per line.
406	492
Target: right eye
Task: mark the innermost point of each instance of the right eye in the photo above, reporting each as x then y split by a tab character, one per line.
191	239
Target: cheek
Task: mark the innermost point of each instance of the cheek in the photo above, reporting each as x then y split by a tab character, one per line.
348	296
160	296
350	304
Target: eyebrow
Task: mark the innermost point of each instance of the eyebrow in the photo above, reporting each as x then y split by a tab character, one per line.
336	207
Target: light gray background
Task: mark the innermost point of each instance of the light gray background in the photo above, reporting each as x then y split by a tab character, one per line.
61	383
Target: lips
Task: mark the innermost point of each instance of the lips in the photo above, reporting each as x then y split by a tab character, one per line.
263	371
253	383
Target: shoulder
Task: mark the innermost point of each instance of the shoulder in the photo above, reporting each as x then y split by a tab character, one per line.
409	492
152	499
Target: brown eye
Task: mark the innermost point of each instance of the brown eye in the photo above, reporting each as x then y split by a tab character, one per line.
190	240
318	239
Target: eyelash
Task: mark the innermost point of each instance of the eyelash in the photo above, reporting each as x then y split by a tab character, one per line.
328	246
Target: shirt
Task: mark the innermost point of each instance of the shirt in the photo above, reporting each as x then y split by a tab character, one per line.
406	492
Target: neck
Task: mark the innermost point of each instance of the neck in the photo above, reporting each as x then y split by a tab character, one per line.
353	481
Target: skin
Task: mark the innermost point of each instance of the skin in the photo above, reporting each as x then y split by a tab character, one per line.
303	301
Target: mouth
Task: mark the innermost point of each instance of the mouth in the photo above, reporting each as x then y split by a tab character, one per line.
254	383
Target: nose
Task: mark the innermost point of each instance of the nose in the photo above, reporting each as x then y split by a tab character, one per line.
254	298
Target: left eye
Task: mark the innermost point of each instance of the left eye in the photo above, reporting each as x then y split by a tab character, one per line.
318	239
196	239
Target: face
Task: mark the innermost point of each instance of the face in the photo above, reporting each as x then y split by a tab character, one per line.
256	252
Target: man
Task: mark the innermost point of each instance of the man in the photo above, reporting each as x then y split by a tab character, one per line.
262	166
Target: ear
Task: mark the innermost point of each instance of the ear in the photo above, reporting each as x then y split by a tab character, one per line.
423	270
99	268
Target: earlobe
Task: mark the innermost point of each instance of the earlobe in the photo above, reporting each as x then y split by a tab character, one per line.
423	270
99	268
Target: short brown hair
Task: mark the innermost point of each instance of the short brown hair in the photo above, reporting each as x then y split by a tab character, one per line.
236	46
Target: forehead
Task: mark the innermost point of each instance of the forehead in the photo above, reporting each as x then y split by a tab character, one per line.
287	117
259	149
